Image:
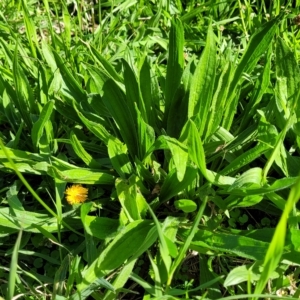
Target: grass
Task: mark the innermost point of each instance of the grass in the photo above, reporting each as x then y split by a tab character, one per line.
180	121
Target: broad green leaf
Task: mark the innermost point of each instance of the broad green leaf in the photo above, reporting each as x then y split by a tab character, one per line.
97	129
126	245
48	56
146	134
74	267
218	104
25	220
190	136
101	227
266	132
251	177
9	110
175	63
237	201
229	243
80	151
105	65
157	269
276	150
133	95
80	175
114	100
258	44
60	277
185	205
143	283
39	125
67	28
71	87
203	83
30	29
287	71
172	186
240	274
178	151
179	156
147	92
131	200
144	173
119	159
178	111
21	155
278	185
120	281
97	78
246	158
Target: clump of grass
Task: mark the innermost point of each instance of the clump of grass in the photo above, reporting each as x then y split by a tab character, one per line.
175	125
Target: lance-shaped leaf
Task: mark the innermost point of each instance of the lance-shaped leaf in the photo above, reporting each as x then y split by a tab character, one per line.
203	83
175	63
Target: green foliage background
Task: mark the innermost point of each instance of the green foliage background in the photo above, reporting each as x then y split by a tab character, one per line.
182	120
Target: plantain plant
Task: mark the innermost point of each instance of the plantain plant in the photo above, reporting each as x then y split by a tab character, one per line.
166	152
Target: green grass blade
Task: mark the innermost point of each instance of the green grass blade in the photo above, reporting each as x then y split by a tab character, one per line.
260	88
90	242
164	250
276	150
67	28
275	250
257	45
13	268
105	65
30	29
60	277
97	129
120	281
187	242
143	283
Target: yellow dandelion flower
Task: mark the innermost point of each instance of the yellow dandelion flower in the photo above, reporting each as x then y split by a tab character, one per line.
76	194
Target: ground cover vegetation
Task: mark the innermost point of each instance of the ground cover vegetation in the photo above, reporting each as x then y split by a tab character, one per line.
149	149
